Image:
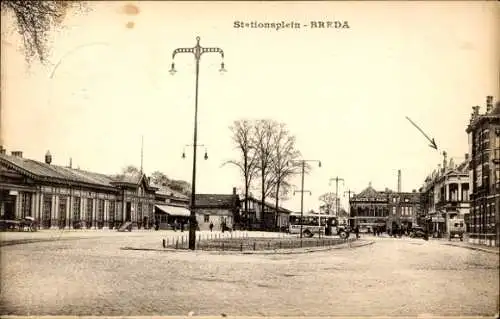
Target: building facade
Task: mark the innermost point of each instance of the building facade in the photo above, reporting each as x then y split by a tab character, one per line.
170	206
384	210
66	198
217	209
484	146
446	195
269	219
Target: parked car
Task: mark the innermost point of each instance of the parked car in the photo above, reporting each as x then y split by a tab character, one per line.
418	232
456	229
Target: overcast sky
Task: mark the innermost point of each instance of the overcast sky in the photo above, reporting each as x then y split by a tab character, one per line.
344	93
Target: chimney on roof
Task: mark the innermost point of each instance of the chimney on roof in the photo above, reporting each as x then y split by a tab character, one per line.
475	110
48	157
2	150
70	162
414	191
489	103
234	190
17	153
466	156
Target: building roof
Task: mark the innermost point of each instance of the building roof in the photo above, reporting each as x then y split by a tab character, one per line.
477	119
217	200
169	192
268	205
370	193
49	172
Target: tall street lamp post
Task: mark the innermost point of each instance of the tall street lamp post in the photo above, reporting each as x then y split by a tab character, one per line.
302	190
197	51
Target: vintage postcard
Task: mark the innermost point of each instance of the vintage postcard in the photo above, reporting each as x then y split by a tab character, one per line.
250	159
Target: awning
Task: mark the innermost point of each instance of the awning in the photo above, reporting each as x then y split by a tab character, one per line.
174	210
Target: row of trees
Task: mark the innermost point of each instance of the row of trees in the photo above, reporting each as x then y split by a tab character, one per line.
159	178
267	158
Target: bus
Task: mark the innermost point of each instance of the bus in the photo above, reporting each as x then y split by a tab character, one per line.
328	225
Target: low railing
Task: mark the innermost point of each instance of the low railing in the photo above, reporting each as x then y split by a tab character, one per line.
241	242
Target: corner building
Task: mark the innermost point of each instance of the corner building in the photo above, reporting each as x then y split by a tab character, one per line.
484	146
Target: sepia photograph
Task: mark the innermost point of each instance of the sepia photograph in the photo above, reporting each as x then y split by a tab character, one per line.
250	159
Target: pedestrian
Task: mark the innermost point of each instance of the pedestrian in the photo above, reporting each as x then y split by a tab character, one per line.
223	226
211	226
182	226
356	230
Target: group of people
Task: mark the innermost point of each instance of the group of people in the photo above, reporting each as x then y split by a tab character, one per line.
223	226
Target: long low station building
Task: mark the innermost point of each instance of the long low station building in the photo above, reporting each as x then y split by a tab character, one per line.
68	198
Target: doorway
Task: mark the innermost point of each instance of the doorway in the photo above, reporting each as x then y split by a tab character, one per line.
128	212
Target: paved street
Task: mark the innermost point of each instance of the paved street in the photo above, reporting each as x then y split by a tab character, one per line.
390	277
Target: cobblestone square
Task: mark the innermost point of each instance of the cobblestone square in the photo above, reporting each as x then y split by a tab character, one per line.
94	276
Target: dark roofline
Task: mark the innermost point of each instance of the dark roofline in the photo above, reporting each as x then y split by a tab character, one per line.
234	198
269	205
65	181
54	180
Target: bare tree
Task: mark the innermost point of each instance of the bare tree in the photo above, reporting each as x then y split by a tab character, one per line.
264	148
328	200
283	166
242	137
131	169
35	20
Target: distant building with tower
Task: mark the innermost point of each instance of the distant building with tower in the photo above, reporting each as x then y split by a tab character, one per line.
385	210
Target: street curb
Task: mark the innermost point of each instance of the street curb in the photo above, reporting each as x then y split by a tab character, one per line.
4	243
473	248
260	252
294	251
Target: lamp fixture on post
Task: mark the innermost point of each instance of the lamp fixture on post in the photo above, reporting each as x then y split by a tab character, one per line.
197	51
205	156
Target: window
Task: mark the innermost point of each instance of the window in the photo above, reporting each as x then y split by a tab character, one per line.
62	211
100	213
394	210
206	218
139	214
47	211
139	211
76	212
90	204
26	204
479	177
111	213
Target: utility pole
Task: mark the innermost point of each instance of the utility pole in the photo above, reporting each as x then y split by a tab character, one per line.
197	51
349	192
302	190
336	179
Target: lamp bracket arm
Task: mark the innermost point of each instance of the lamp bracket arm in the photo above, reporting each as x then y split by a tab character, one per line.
182	50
